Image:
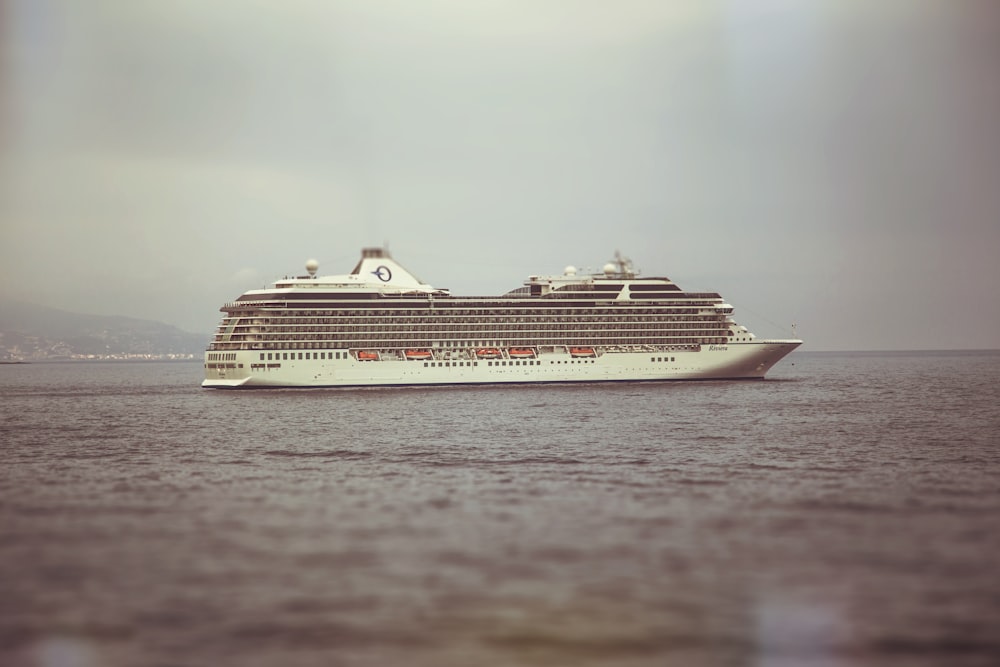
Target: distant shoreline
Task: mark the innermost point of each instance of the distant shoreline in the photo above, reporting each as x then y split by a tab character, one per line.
101	361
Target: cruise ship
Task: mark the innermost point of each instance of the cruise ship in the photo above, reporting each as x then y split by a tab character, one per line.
381	325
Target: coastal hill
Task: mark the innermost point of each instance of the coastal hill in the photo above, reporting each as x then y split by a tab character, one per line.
29	332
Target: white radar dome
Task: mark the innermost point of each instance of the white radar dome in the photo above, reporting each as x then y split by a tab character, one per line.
570	271
311	266
609	269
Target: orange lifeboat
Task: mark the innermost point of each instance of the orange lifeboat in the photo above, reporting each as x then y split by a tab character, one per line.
488	353
582	352
521	353
417	354
367	355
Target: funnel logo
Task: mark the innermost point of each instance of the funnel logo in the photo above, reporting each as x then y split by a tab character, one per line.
383	273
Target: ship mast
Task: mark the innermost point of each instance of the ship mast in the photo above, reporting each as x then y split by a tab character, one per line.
624	265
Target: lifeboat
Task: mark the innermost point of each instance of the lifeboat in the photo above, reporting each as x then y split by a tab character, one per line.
488	353
521	353
582	352
367	355
417	354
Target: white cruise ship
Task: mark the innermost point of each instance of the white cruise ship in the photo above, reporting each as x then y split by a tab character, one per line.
380	325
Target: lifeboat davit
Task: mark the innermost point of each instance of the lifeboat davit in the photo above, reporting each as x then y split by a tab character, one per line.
521	353
582	352
367	355
488	353
417	354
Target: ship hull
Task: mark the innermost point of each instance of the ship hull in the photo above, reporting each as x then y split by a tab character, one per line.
253	369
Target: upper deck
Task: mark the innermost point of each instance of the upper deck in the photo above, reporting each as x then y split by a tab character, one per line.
378	276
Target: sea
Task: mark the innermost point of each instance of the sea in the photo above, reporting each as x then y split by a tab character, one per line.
845	511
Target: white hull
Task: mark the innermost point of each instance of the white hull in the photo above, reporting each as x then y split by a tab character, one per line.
744	360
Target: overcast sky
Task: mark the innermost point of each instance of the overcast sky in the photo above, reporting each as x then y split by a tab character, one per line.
832	164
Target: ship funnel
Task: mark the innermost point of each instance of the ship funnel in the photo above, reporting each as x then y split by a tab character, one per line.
376	266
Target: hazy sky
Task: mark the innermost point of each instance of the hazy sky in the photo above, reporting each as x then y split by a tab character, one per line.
834	164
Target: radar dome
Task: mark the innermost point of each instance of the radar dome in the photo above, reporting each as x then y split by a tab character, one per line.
311	266
609	269
570	271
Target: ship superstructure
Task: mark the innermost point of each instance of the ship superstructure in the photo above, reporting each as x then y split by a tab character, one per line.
380	325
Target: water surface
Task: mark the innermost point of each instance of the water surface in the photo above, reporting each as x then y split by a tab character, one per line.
842	512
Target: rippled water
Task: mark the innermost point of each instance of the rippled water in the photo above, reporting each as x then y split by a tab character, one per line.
843	512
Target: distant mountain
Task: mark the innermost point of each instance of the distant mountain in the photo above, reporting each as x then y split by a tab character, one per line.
32	332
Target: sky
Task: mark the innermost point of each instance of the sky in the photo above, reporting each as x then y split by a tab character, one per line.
831	164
